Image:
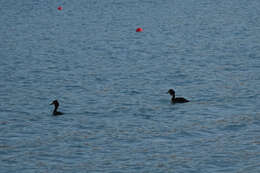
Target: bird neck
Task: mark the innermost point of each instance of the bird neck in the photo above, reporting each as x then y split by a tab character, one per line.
56	108
173	96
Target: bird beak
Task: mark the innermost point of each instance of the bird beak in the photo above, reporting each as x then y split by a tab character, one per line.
52	103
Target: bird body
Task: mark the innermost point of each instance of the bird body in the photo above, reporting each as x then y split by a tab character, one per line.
56	105
176	99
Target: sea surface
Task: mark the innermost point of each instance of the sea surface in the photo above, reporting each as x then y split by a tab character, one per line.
112	85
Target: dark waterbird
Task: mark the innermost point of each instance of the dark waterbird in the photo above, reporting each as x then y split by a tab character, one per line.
56	105
177	99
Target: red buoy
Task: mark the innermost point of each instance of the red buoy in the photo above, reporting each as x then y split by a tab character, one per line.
139	30
59	8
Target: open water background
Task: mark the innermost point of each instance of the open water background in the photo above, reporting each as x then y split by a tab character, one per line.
112	82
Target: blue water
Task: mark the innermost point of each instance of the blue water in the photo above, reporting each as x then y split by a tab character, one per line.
111	83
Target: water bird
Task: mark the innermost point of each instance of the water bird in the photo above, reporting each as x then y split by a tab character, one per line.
177	99
56	105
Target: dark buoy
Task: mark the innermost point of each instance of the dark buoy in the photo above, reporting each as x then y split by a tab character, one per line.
139	29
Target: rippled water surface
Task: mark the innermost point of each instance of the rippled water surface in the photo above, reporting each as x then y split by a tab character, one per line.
111	83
